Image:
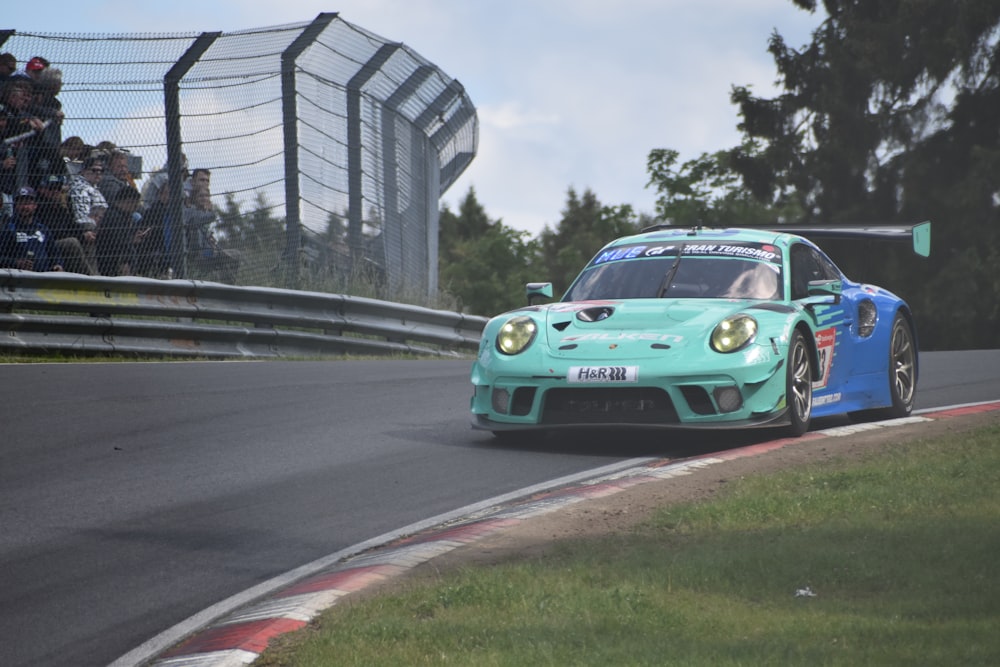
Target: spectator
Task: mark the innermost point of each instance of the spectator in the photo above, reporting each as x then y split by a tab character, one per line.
117	175
207	257
75	148
36	66
48	85
22	130
120	234
74	151
86	200
75	246
8	65
150	191
46	105
25	242
199	179
161	251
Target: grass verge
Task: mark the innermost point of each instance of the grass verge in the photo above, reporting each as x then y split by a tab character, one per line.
899	550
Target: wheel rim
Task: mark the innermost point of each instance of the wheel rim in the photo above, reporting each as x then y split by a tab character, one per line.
903	363
801	382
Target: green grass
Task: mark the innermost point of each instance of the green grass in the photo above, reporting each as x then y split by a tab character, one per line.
900	549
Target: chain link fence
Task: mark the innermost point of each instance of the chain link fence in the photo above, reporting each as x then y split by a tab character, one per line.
313	155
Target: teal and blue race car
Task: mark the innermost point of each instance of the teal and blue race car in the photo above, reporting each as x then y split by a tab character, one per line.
693	328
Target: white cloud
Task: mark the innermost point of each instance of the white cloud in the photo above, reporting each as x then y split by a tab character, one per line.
511	116
570	93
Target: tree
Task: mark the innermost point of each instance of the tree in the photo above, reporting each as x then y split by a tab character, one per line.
888	115
708	191
586	226
482	263
870	87
253	231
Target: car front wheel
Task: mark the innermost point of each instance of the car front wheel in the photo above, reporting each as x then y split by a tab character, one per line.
798	385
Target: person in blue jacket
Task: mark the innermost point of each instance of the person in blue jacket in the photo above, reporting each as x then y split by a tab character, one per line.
25	242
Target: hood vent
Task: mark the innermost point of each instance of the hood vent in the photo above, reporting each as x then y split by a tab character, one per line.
595	314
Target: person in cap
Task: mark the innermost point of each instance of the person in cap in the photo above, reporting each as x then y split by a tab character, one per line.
36	66
25	242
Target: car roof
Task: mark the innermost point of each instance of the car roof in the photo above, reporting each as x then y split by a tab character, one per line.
710	234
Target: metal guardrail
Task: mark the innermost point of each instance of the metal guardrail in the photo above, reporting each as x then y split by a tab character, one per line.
64	312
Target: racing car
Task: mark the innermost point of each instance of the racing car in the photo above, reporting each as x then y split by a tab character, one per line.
703	328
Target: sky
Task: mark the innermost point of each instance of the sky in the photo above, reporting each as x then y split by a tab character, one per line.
569	93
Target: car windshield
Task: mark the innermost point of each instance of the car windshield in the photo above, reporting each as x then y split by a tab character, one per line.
705	271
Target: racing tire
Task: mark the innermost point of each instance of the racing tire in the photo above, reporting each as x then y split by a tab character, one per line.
902	374
798	385
902	367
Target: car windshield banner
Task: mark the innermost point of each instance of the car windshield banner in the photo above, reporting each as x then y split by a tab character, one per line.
762	252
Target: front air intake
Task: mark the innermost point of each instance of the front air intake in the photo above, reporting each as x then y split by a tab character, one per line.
634	405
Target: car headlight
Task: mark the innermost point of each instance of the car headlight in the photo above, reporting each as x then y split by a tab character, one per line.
516	334
734	333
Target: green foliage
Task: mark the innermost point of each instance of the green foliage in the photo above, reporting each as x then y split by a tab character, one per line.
253	231
483	263
259	237
585	228
708	190
888	115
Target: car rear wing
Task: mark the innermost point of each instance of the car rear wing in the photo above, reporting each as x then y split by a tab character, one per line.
919	234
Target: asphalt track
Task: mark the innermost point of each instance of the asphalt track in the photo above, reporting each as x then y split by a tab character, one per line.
134	497
253	619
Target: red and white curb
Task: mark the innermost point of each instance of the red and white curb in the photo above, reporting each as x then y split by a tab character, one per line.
240	637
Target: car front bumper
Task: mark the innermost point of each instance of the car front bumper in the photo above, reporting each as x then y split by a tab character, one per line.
741	391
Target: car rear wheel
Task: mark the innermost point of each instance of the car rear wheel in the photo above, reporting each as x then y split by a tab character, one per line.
902	367
902	374
798	385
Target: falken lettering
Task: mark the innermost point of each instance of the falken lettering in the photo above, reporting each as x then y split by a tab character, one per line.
623	337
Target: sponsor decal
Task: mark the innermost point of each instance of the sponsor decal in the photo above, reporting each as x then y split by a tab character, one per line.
637	336
826	341
757	251
602	374
826	400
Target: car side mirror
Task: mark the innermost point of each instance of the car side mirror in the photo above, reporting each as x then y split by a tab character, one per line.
538	290
823	292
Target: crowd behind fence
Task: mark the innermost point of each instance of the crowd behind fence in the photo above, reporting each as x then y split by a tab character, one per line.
309	156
